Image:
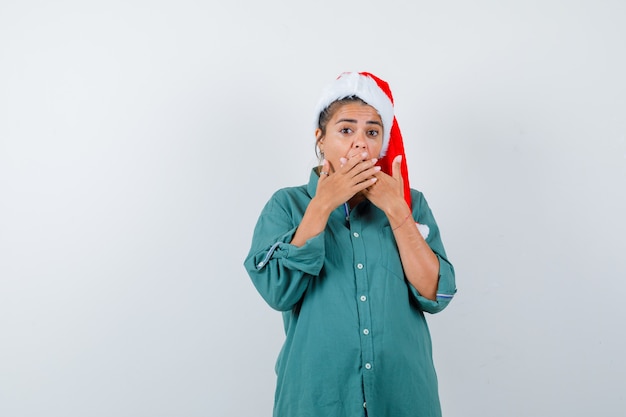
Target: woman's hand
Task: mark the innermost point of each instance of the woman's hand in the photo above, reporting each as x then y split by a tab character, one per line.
387	193
355	174
334	188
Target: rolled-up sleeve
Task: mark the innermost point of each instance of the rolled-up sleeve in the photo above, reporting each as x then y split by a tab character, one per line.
279	270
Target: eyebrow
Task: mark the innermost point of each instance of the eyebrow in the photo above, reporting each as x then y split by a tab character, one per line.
370	122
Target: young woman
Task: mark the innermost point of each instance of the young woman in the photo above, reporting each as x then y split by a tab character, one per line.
353	259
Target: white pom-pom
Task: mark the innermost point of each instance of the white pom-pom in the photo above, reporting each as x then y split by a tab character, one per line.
424	230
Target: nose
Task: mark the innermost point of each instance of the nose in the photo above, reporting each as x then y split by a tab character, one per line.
359	141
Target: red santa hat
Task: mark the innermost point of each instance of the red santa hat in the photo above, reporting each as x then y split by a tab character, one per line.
377	94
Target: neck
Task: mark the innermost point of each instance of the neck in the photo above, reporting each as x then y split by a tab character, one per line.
356	199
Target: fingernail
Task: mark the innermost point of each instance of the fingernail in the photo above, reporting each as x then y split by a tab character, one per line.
374	179
364	154
377	168
374	160
343	160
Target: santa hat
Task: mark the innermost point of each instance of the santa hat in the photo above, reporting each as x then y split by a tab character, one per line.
377	94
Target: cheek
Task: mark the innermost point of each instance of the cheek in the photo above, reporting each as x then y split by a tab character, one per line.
337	150
376	148
333	164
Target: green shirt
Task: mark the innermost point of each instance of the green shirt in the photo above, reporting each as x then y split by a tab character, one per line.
355	328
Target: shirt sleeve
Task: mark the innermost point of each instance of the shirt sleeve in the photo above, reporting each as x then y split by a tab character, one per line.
446	288
279	270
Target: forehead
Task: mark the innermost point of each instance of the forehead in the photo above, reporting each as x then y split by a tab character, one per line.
355	110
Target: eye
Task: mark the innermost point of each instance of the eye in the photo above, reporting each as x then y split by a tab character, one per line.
345	130
373	133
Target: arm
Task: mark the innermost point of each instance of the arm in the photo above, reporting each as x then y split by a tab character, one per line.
332	191
288	245
288	242
279	270
420	263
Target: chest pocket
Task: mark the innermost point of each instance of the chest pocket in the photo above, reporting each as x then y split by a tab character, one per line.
390	257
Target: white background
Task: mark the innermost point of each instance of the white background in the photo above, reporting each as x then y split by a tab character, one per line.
139	141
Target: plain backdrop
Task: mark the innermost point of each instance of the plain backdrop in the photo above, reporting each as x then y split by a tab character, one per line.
139	141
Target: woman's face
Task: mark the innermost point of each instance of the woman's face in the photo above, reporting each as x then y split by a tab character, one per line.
354	128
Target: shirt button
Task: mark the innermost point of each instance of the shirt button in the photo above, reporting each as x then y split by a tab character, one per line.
355	234
360	266
363	298
366	331
368	366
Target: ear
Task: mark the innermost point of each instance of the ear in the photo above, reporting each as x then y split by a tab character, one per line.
319	139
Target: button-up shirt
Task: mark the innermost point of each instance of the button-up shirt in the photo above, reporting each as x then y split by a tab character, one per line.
356	335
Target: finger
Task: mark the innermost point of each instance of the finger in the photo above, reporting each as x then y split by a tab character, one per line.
396	168
365	186
325	169
359	163
366	174
356	153
353	159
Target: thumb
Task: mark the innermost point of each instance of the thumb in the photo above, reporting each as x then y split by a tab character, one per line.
396	168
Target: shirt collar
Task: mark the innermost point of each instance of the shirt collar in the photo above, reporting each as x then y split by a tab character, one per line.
312	186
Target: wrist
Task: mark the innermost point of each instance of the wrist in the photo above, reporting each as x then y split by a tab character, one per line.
320	207
397	211
402	222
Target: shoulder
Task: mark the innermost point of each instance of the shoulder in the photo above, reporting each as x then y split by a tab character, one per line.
285	198
290	193
419	202
417	197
